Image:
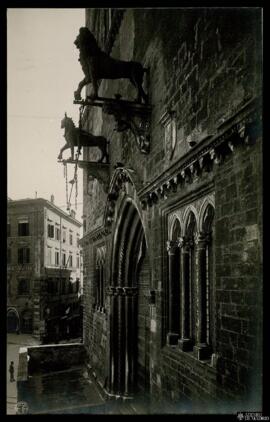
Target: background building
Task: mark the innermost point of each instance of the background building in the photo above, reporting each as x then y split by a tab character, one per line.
172	247
44	269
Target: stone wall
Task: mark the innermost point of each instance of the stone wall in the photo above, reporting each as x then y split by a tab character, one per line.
239	270
205	65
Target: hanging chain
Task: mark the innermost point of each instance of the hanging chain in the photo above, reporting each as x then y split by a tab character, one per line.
80	128
66	176
75	178
76	191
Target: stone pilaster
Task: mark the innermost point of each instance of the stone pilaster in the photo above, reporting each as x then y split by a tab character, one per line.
112	341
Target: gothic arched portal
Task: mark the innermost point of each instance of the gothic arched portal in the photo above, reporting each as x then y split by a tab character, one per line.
129	310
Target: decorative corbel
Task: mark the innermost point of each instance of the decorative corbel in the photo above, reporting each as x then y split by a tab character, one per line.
201	162
154	197
231	145
144	204
215	156
185	174
194	170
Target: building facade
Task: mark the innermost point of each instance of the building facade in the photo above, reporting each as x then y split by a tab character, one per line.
172	243
43	269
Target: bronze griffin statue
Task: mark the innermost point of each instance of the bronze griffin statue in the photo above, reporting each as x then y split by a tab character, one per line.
98	65
76	137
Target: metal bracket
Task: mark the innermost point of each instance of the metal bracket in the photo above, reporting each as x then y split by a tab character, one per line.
99	171
128	115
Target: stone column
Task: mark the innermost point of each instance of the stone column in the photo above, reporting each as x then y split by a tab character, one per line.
134	335
130	338
101	283
201	349
185	342
172	336
121	322
98	287
112	381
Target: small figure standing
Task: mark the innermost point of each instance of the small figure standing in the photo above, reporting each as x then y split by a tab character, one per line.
11	371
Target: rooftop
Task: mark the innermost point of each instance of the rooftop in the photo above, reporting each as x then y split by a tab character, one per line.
43	202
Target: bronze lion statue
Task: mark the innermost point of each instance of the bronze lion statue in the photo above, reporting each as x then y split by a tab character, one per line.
97	65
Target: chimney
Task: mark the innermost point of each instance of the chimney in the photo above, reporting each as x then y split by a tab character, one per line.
52	199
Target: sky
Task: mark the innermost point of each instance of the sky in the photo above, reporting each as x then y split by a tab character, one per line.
43	72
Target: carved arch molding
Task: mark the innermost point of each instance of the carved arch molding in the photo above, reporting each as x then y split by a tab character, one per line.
129	253
197	207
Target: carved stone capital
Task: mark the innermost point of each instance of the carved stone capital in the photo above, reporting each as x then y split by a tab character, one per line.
185	243
202	239
171	246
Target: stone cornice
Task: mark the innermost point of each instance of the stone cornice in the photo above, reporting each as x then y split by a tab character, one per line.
202	157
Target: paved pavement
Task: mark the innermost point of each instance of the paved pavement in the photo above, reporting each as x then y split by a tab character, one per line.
67	391
14	342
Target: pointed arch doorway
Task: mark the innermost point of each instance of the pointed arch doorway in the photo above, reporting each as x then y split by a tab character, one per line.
129	310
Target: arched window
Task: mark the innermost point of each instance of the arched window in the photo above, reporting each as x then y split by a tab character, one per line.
190	294
173	291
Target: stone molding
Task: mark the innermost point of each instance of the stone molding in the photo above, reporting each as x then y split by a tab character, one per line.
127	291
211	151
